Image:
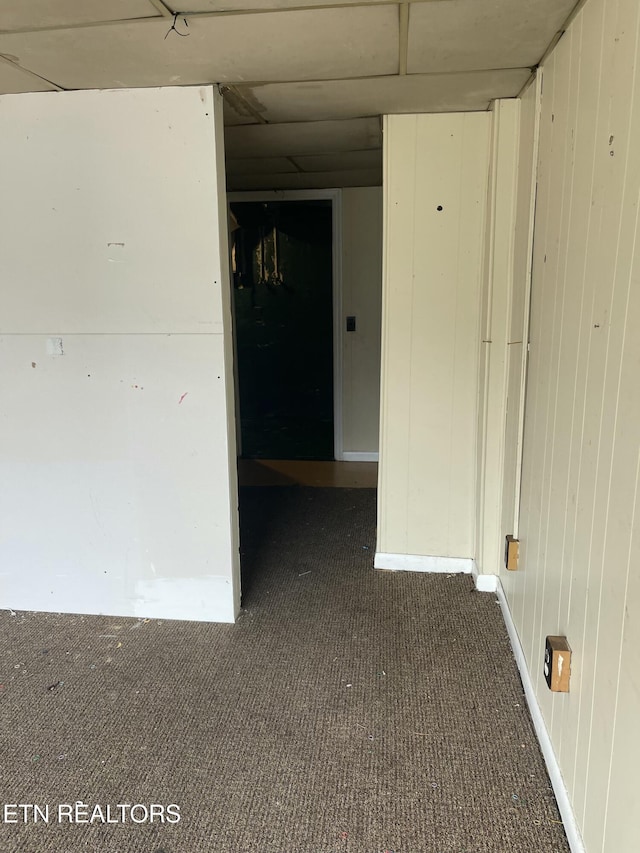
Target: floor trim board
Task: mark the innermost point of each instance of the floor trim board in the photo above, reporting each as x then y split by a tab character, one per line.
421	563
553	767
359	456
484	583
448	565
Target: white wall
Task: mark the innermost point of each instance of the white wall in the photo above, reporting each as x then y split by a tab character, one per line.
578	521
431	316
362	298
116	491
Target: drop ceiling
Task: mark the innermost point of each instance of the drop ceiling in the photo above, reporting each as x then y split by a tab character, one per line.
305	81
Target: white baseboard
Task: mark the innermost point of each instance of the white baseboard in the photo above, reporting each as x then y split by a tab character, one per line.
448	565
359	456
419	563
484	583
553	768
203	599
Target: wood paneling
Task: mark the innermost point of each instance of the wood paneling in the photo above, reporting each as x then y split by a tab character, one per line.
578	525
435	198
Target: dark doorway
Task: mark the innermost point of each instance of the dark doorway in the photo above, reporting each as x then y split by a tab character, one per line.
283	301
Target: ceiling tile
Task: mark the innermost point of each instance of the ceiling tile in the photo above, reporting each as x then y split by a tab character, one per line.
341	161
307	181
27	14
464	35
416	93
14	80
301	45
259	166
314	137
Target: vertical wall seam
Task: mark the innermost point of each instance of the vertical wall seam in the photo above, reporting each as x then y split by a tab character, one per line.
576	375
485	335
526	326
381	517
540	569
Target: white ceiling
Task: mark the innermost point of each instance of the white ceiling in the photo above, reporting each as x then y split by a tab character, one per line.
310	70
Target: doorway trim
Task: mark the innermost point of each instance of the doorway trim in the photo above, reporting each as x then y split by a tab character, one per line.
335	197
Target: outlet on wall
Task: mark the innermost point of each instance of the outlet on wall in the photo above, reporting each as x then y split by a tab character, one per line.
557	664
511	553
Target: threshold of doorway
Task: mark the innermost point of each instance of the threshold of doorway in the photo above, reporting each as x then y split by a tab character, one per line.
297	472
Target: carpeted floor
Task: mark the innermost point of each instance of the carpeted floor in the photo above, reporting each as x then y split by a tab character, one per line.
348	710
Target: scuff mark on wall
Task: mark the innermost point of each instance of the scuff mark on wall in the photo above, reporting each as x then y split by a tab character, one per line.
182	398
201	598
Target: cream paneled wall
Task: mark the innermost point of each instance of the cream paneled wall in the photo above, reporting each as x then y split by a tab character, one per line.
435	186
117	461
526	180
518	326
494	333
578	521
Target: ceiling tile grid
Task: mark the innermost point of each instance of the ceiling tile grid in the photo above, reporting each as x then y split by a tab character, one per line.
212	6
313	44
305	81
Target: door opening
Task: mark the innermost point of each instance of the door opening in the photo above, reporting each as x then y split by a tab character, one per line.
283	298
291	335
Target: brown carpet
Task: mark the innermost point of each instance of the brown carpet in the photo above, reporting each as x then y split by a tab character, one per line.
348	710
